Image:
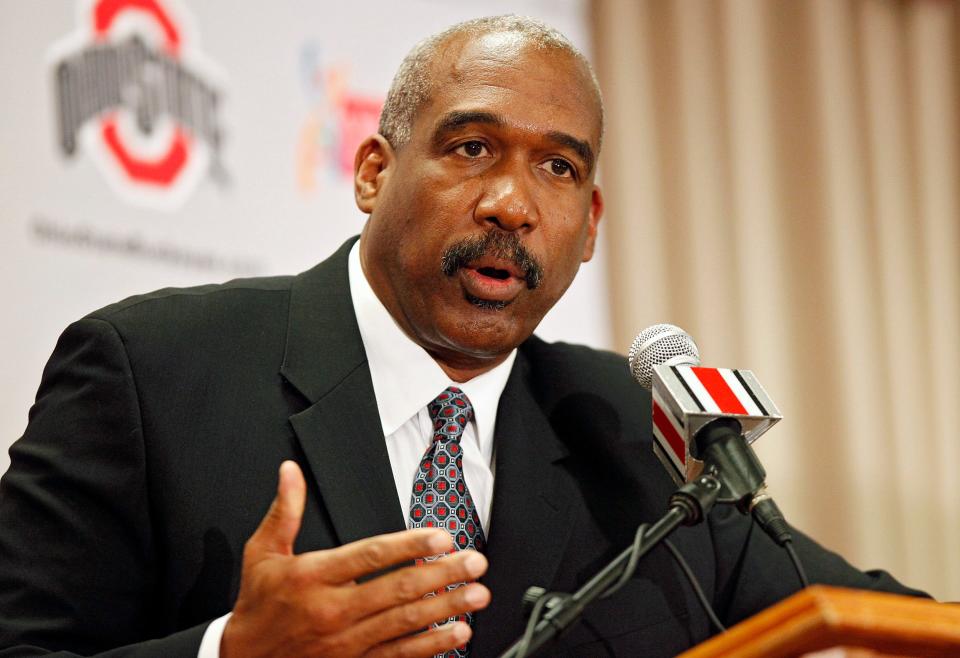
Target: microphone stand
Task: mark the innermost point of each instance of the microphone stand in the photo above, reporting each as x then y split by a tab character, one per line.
688	506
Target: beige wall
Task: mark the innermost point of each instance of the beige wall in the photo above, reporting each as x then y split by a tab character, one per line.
782	181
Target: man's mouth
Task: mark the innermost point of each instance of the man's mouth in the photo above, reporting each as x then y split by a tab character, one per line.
493	268
497	283
497	267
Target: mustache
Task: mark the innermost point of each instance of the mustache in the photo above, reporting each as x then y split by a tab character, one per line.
506	246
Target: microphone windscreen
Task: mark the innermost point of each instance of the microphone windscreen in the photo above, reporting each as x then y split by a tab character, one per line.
660	344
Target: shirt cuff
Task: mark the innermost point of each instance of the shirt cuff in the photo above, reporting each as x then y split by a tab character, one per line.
210	645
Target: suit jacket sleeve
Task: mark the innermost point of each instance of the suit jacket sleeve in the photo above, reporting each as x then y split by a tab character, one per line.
755	573
76	494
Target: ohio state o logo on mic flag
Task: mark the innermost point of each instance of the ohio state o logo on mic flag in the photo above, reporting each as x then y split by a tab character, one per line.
135	95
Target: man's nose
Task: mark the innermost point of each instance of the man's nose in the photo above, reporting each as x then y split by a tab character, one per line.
507	200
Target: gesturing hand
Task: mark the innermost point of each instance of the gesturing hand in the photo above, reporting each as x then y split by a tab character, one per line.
311	605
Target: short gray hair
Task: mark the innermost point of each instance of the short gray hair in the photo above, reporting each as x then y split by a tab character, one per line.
413	84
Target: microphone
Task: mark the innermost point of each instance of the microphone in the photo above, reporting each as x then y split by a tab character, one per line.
704	420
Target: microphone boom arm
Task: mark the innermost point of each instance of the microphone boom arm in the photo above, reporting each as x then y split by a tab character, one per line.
688	506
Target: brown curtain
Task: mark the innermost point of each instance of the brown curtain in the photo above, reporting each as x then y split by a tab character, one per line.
783	181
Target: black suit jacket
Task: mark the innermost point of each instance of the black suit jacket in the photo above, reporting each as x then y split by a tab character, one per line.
152	452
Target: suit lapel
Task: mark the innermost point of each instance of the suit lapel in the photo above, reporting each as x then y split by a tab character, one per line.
530	516
340	431
342	439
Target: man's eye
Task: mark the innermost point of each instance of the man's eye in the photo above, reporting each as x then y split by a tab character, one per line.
561	168
471	149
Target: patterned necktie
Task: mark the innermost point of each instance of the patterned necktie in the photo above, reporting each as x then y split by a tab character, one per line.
440	495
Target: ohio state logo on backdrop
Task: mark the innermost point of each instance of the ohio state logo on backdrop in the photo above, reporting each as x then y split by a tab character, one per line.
134	94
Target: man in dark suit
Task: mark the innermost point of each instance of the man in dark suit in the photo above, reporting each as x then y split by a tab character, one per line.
132	514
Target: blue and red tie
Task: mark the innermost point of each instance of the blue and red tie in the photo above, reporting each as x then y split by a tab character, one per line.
440	495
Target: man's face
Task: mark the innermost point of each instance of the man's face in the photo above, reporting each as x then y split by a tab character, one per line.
480	221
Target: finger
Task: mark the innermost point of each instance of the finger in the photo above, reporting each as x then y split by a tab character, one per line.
429	643
400	621
278	529
349	562
412	583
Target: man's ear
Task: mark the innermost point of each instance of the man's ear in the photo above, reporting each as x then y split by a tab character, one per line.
593	219
371	167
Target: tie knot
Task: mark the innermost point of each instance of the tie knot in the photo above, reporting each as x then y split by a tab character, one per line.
450	412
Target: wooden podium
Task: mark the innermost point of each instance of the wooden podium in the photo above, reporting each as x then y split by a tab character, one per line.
833	622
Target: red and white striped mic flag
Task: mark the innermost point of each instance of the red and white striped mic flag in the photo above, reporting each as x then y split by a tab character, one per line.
685	398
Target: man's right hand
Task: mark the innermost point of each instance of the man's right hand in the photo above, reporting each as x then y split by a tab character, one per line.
311	605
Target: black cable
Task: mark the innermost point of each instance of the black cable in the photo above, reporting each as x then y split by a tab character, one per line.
631	567
535	614
766	512
796	563
695	584
770	518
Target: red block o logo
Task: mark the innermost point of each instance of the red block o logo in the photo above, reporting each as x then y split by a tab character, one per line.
131	59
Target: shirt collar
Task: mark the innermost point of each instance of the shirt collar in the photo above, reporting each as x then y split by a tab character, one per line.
405	378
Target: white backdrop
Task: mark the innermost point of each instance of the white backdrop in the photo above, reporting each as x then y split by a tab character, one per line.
296	85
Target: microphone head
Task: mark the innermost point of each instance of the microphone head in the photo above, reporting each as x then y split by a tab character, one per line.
660	344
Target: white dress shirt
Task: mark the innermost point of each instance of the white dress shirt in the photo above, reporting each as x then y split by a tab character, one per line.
405	380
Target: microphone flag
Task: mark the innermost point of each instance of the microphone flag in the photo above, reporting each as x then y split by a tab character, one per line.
685	398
